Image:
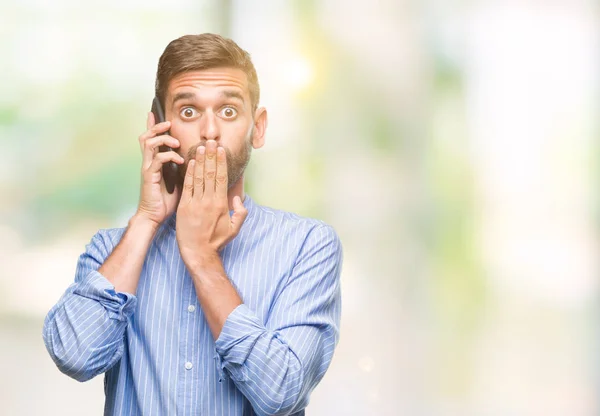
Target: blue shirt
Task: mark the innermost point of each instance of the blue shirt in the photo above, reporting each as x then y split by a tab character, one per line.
156	348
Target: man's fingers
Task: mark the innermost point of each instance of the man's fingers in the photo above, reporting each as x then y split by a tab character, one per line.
150	147
188	182
199	173
221	179
154	143
210	168
154	130
150	120
160	127
239	215
161	158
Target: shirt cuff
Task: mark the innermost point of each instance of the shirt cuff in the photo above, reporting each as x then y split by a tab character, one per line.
118	305
238	336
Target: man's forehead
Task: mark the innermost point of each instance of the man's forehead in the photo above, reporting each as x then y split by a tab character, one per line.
221	79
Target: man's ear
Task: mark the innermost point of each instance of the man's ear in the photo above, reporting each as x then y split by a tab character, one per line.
260	127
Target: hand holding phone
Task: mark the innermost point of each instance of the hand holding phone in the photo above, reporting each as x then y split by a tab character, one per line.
157	201
170	170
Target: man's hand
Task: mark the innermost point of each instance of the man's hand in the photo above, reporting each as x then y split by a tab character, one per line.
204	226
156	204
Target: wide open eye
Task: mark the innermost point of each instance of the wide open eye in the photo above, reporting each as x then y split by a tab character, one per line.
188	112
228	112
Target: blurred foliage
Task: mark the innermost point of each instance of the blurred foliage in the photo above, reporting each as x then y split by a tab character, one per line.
85	160
444	214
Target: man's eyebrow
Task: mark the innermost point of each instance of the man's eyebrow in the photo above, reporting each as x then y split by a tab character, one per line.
183	96
190	95
233	94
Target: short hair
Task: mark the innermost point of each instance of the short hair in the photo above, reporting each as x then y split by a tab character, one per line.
204	51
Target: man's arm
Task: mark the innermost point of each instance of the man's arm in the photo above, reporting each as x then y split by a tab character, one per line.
84	331
214	290
124	265
277	364
204	227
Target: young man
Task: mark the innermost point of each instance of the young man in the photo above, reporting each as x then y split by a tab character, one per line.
206	303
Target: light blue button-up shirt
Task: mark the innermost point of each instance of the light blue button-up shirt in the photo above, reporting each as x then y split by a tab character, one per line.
156	349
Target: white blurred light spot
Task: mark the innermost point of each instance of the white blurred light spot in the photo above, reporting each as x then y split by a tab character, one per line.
373	395
298	73
366	364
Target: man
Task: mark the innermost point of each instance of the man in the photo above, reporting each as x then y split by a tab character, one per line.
206	303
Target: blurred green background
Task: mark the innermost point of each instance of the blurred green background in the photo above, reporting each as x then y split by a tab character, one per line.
453	146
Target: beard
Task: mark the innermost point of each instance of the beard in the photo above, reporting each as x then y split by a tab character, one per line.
236	162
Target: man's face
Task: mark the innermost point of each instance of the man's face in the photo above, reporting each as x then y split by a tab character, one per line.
212	104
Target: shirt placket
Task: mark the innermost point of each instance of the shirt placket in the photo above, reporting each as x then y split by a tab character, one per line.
189	360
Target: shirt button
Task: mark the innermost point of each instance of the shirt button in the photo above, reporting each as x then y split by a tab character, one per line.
191	308
188	366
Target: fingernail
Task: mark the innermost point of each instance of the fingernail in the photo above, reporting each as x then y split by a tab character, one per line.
201	149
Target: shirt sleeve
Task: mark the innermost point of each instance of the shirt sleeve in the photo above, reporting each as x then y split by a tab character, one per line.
276	365
84	331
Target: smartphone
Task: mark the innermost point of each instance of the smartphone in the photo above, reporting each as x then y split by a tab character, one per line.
170	170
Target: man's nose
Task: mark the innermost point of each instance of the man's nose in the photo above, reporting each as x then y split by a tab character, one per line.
209	129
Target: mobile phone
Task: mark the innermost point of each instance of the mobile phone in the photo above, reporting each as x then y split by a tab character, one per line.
170	170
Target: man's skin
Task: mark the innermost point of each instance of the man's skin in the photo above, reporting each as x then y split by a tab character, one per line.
204	226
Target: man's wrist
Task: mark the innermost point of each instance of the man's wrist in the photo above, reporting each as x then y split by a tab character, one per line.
204	264
206	259
143	223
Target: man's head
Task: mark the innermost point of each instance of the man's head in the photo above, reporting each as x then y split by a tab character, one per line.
209	90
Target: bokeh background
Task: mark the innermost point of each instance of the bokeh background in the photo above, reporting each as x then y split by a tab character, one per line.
452	144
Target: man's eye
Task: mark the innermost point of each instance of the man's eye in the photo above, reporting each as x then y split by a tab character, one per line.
228	112
188	112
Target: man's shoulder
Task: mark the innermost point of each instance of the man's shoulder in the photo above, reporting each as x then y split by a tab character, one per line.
306	239
291	221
